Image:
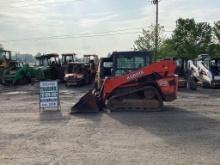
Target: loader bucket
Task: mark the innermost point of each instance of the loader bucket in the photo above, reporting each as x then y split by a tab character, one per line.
87	104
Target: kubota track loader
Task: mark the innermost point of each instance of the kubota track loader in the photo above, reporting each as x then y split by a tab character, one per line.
129	81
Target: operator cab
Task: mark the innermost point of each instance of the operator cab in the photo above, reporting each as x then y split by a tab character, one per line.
47	60
126	62
39	60
8	58
215	66
105	68
52	59
212	64
120	63
208	70
182	66
6	55
75	67
68	57
91	58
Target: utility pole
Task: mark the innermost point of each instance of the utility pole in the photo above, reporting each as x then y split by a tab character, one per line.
156	2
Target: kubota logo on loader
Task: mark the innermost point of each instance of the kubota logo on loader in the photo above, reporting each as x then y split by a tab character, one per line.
135	75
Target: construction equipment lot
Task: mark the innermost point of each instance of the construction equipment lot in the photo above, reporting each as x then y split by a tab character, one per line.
186	131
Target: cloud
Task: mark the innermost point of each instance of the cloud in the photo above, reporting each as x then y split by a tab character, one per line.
95	20
52	17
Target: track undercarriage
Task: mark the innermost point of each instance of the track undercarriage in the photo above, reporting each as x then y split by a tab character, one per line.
139	99
145	98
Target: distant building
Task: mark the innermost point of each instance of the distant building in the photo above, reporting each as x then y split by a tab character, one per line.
26	58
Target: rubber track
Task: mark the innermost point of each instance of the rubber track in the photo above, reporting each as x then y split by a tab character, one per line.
131	92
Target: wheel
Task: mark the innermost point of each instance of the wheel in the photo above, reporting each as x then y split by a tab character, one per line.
205	84
192	84
212	85
87	80
79	84
22	81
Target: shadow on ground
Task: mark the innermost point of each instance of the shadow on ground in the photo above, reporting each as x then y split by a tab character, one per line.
209	92
175	125
52	116
95	117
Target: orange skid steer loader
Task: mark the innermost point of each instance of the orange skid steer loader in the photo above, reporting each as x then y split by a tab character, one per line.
130	81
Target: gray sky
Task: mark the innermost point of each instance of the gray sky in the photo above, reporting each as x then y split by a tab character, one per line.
90	26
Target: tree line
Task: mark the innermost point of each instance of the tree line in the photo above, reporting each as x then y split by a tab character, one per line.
188	40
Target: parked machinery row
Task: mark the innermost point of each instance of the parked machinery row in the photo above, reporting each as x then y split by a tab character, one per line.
123	80
48	67
67	69
204	71
131	81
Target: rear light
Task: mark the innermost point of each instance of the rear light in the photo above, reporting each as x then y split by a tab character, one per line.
163	83
165	68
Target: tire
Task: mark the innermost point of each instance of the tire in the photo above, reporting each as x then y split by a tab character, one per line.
87	80
193	85
66	85
212	85
23	81
205	84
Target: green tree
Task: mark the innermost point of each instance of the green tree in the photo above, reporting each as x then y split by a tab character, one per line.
167	49
146	41
214	48
216	30
191	38
188	40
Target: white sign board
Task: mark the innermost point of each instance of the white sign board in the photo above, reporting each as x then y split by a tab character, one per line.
49	95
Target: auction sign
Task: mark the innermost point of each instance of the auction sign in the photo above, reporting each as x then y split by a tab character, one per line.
49	95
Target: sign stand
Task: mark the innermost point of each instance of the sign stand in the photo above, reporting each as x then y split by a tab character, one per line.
49	96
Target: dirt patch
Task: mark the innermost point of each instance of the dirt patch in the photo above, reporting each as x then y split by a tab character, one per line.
187	131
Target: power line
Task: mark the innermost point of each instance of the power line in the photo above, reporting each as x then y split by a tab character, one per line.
85	36
79	36
72	35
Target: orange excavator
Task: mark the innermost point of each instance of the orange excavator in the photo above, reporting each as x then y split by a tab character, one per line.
130	81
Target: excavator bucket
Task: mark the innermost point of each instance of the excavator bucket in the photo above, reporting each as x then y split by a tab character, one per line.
87	104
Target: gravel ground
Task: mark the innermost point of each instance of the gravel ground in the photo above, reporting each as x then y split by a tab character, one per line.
187	131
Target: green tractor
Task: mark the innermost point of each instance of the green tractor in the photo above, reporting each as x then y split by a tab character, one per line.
11	71
47	67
